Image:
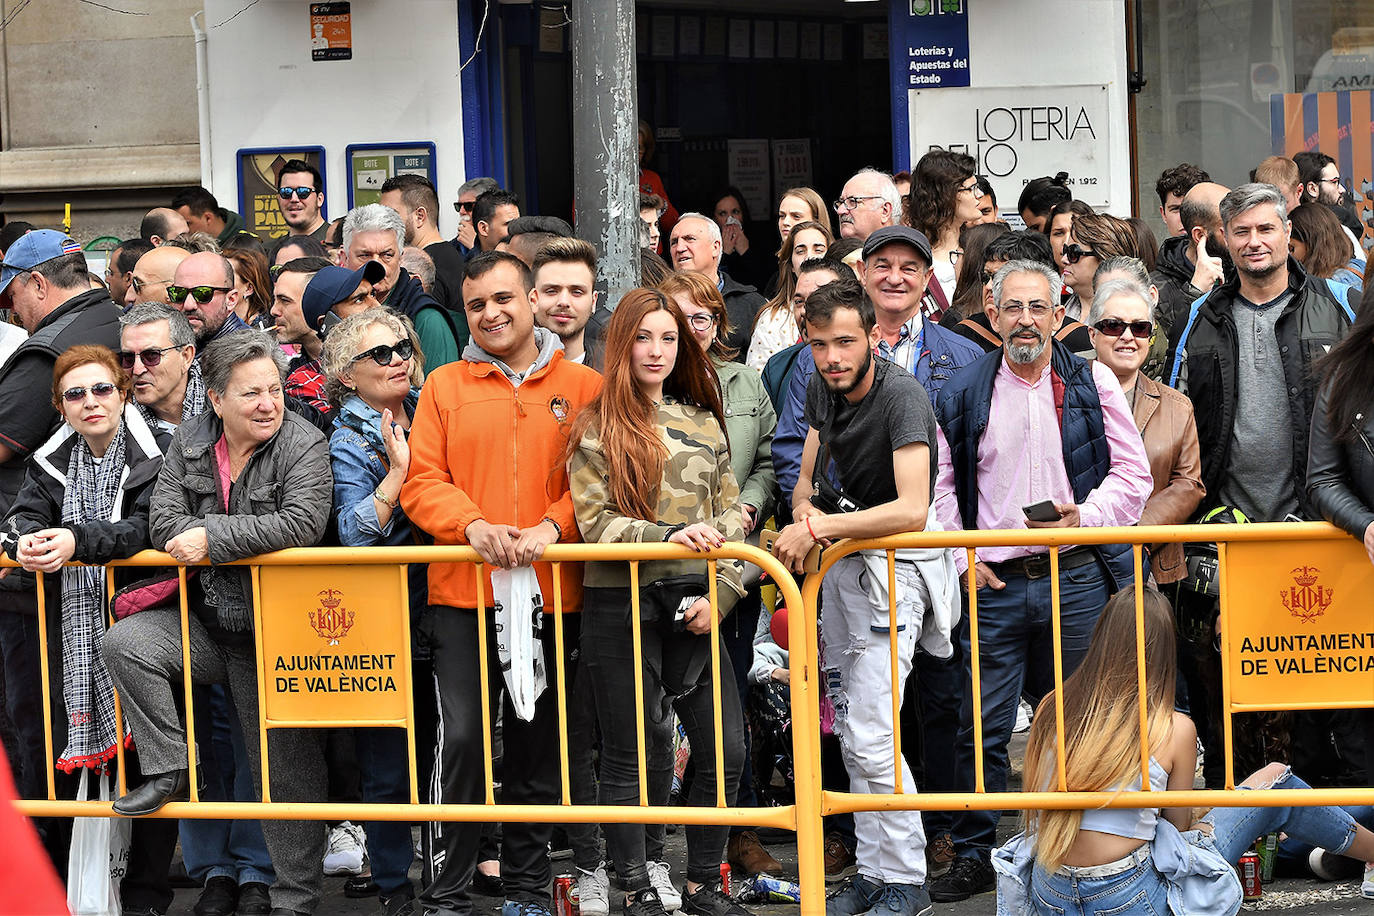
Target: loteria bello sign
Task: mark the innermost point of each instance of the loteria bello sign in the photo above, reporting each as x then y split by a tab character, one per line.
334	644
1301	630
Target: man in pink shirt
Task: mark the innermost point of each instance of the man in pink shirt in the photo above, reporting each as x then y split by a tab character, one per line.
1029	423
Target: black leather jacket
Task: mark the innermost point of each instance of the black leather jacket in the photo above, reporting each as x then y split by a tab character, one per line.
1340	475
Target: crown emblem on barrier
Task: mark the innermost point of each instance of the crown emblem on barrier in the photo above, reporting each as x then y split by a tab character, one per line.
1306	599
331	620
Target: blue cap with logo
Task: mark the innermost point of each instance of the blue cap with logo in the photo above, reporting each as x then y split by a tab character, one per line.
332	285
34	248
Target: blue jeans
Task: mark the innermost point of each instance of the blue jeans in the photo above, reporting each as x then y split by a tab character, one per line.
385	775
1015	636
231	849
1137	888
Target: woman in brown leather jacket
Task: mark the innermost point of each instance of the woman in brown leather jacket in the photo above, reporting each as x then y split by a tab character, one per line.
1120	328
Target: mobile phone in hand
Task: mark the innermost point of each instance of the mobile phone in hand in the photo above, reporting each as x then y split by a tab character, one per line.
1043	511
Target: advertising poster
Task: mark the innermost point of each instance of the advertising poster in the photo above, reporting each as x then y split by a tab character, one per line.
331	31
791	165
259	179
1340	124
371	164
749	171
1017	133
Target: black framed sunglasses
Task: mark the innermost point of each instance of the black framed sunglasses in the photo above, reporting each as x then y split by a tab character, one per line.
152	357
1114	327
382	353
1074	252
464	206
101	390
301	193
202	294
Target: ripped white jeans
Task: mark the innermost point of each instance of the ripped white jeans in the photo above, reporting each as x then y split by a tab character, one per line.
855	639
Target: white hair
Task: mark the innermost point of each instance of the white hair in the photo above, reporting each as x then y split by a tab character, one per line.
886	189
374	218
714	226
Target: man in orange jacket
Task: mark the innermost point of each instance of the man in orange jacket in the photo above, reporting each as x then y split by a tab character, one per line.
486	470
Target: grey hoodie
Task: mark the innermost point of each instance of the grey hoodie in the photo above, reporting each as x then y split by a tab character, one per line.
546	340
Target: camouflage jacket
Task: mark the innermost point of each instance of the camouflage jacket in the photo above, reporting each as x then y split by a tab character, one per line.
698	486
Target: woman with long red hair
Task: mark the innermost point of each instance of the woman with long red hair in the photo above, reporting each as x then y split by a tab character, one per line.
649	461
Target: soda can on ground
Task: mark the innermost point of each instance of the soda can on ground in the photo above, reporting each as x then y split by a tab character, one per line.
776	890
562	896
1252	887
1267	848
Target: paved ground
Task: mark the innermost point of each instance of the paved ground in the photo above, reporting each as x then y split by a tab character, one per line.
1297	895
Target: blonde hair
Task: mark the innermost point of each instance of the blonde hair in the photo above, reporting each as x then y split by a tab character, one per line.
341	346
1102	718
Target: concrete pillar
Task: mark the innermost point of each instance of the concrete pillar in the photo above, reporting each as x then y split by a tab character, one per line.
605	140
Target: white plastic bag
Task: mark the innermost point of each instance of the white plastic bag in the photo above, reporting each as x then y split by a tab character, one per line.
99	856
519	616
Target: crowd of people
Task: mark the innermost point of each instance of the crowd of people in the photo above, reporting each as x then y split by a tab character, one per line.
905	361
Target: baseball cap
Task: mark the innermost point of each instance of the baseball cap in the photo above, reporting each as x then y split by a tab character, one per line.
34	248
904	234
332	285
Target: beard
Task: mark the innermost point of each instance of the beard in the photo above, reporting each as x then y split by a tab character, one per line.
1263	272
1024	353
1217	249
853	382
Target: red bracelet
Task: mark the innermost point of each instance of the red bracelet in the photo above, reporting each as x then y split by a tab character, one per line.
811	530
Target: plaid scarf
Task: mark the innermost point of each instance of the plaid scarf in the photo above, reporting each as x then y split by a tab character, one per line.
91	495
193	403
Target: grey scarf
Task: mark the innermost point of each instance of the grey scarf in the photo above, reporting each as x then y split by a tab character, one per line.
91	495
193	402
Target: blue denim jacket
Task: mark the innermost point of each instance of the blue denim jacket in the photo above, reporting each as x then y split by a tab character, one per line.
1200	881
358	457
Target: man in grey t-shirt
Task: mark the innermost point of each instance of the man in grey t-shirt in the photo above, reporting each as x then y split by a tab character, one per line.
875	421
1259	478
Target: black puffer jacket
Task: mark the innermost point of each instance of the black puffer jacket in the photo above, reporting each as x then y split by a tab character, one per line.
1173	277
1340	475
1203	353
742	304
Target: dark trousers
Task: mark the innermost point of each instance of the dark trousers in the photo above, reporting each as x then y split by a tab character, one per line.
530	765
609	656
152	843
940	685
1016	638
19	666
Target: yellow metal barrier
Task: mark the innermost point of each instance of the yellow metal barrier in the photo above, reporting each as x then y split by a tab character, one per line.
1352	575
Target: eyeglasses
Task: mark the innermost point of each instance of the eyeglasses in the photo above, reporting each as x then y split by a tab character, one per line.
152	357
101	390
1074	252
382	353
301	193
955	255
972	189
1037	309
852	202
701	320
1115	327
138	284
1335	181
202	294
464	206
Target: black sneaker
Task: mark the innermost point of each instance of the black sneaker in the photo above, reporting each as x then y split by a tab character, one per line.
644	903
710	900
966	876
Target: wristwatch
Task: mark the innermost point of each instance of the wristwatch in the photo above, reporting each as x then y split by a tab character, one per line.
558	529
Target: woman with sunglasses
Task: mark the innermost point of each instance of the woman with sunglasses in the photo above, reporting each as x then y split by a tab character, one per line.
649	461
1121	328
944	197
1092	239
775	327
85	498
373	372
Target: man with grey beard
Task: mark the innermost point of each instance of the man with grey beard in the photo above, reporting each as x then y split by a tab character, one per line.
1030	436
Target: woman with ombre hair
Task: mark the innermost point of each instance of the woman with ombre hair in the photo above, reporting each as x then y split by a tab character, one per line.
1132	860
649	462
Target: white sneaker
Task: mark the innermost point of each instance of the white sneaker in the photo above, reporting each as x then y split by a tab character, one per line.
345	856
1367	886
1023	718
593	890
669	895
